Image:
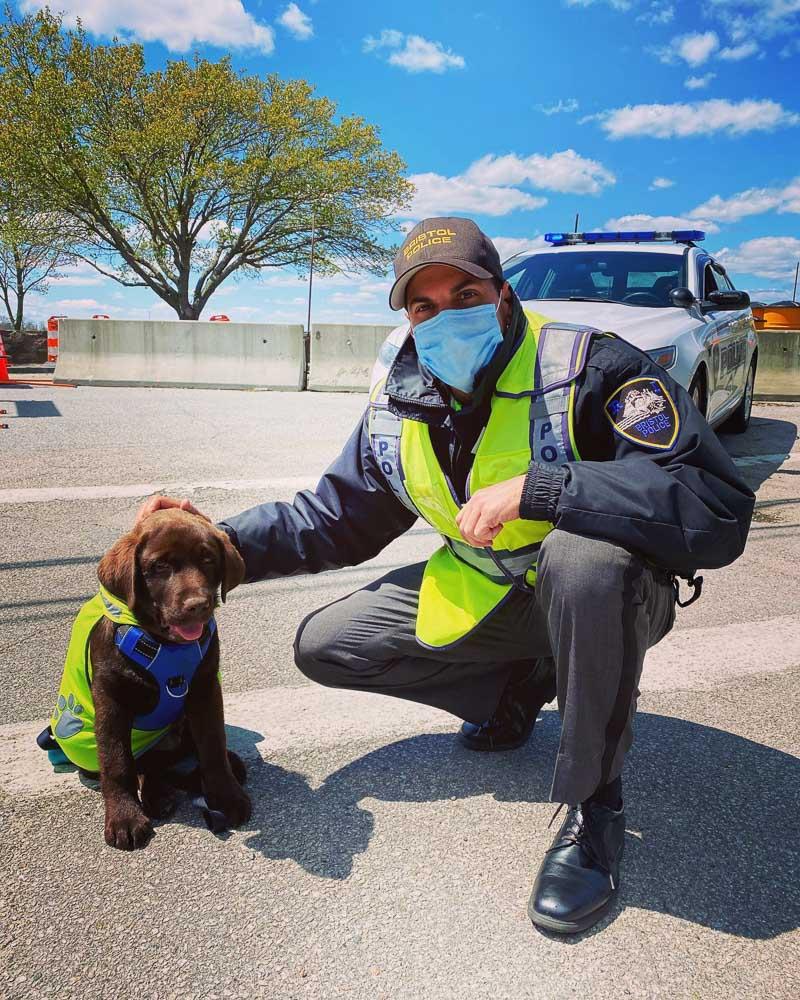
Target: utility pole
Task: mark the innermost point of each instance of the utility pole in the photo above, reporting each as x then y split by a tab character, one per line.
311	273
794	291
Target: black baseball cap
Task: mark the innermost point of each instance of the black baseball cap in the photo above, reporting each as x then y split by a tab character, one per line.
447	240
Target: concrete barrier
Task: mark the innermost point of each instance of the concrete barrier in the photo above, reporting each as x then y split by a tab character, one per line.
342	356
181	353
778	373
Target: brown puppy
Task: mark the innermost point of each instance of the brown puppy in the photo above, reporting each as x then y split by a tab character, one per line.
167	570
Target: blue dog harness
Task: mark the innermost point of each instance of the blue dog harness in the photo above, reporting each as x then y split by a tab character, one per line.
171	664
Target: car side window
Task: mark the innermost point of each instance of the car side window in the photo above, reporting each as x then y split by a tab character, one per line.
723	280
709	281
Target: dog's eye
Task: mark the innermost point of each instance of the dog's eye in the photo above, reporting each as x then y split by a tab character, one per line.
159	568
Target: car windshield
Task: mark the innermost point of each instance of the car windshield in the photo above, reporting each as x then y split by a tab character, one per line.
637	279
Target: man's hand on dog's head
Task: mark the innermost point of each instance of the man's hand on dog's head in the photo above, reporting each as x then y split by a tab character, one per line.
152	504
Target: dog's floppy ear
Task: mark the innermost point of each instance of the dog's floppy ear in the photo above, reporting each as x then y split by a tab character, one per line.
118	569
232	563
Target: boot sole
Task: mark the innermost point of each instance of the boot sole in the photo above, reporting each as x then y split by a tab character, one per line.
570	926
497	748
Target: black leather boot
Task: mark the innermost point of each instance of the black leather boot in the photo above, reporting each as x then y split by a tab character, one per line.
579	876
512	722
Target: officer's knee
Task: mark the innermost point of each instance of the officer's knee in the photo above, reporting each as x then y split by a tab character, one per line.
581	569
312	648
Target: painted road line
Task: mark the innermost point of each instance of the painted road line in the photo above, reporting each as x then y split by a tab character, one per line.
53	494
282	485
281	719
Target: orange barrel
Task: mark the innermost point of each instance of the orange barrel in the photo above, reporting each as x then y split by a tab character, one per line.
52	337
3	364
780	316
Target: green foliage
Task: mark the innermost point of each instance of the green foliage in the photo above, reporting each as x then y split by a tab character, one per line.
182	177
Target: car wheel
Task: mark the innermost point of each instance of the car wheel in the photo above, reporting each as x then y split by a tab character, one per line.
697	390
740	418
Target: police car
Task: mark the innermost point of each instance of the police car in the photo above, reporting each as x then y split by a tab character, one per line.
661	292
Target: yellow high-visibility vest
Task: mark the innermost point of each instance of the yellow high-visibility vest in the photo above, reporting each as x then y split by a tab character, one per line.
531	419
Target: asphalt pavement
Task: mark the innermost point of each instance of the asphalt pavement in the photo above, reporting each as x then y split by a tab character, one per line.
382	859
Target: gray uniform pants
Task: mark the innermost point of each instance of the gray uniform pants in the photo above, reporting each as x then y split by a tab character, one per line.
596	610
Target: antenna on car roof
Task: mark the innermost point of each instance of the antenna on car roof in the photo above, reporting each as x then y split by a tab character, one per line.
577	216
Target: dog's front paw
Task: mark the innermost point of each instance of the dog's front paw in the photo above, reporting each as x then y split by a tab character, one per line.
127	828
230	799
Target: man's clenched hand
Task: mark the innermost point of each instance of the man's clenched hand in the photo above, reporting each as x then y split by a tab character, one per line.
486	511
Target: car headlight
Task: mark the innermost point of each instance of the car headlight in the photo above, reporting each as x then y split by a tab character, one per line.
664	356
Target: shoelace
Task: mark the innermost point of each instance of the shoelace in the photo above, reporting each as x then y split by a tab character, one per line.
579	835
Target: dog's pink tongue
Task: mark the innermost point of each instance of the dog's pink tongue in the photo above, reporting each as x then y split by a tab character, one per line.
188	632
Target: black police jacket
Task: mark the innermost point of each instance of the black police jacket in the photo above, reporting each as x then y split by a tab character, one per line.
662	485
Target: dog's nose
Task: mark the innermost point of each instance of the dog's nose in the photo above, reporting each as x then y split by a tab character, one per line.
196	605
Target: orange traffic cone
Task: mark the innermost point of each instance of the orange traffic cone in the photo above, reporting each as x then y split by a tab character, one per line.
3	362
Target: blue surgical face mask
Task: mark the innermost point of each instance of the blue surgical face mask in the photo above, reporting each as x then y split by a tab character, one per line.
456	343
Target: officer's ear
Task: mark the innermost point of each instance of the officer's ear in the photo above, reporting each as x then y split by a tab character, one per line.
231	563
118	570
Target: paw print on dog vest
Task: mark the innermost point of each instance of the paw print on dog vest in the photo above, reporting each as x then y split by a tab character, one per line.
69	722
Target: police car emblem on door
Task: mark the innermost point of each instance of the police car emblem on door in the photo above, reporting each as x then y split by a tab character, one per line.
642	411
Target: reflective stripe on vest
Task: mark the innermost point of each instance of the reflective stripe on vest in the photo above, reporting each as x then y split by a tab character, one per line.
531	417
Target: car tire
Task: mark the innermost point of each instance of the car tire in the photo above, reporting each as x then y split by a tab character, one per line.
739	420
698	390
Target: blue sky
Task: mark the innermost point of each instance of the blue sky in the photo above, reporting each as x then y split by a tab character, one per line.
634	113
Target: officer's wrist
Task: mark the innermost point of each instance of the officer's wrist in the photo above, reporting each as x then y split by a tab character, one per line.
229	531
541	492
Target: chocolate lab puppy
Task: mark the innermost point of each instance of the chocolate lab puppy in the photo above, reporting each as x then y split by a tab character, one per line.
167	572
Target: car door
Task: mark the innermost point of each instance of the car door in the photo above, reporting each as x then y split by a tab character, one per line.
733	359
716	335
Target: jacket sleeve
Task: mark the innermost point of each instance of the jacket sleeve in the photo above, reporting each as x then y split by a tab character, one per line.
350	516
685	506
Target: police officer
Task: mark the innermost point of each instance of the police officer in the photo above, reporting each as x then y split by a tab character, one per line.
572	480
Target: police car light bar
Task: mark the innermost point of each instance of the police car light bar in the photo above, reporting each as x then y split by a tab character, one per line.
651	236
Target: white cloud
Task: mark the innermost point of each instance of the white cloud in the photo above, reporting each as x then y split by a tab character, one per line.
413	52
388	38
748	19
616	4
738	52
296	22
80	274
694	48
661	182
753	201
560	107
661	223
657	13
566	171
668	121
439	195
698	82
507	246
766	256
179	24
492	184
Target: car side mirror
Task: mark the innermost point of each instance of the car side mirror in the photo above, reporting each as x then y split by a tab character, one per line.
682	297
726	300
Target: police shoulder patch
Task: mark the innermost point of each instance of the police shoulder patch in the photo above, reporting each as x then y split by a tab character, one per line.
641	410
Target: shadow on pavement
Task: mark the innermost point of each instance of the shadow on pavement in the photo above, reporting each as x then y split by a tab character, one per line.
709	814
765	436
